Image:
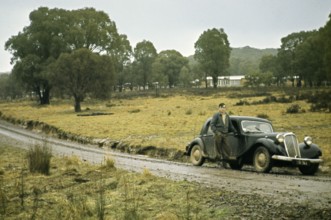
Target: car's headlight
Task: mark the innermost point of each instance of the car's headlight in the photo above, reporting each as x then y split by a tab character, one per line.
280	138
308	140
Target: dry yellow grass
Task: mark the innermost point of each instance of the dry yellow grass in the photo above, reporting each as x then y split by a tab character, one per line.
169	122
77	190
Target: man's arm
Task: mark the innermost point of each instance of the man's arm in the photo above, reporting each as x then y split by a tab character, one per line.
213	123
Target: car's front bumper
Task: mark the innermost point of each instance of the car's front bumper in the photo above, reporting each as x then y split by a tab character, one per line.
297	161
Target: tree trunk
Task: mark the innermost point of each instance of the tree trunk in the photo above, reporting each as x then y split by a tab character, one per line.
43	94
77	104
215	81
45	97
299	82
206	81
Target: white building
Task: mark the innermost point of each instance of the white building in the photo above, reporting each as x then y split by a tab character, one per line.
227	81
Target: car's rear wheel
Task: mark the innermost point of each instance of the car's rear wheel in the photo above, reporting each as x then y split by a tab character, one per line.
262	160
196	156
309	170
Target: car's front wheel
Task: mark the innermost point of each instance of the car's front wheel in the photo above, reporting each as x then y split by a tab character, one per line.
309	170
262	160
196	156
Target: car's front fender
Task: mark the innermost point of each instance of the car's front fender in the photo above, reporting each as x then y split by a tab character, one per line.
270	145
196	141
312	151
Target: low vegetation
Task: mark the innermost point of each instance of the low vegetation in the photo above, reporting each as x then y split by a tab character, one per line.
77	190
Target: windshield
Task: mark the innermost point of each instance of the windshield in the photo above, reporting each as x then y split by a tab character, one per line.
256	126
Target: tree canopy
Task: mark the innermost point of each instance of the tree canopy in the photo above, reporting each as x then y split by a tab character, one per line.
82	72
212	51
144	55
55	31
85	35
169	63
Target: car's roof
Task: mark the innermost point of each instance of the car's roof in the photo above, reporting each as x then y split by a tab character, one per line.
242	118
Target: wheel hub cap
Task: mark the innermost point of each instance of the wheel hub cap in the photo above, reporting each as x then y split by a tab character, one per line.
196	155
261	160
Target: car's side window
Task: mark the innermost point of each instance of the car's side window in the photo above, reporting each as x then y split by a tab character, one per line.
209	131
235	125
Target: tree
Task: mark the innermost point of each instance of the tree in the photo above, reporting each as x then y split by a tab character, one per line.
33	48
185	77
268	63
121	56
309	60
52	32
144	55
9	88
170	63
269	66
212	51
81	73
287	54
325	34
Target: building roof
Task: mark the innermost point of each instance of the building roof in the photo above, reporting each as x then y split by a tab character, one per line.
232	77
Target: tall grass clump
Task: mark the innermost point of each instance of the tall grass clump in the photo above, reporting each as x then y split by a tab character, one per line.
3	197
39	159
108	163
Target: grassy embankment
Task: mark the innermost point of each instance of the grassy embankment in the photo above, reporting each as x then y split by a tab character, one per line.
172	121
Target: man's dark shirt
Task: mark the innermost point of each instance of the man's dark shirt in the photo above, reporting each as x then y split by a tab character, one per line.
218	126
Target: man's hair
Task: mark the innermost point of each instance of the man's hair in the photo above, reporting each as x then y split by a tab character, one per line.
221	105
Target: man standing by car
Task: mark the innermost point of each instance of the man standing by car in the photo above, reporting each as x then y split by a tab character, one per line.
221	125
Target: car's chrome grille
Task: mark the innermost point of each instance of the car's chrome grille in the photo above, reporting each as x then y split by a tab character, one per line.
291	145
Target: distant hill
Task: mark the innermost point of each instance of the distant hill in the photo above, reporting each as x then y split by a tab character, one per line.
244	59
252	54
247	59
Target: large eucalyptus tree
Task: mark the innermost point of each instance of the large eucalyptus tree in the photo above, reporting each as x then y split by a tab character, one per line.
52	32
212	51
82	72
144	55
169	64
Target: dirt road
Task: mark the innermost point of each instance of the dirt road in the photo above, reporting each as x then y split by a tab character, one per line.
280	187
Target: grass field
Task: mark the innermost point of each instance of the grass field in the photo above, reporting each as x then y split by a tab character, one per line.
170	121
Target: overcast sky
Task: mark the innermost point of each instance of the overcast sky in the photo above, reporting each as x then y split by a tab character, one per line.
177	24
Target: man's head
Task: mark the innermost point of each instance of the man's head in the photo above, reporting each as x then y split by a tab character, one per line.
222	107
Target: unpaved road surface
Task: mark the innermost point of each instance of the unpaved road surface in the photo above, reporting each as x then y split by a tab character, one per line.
281	187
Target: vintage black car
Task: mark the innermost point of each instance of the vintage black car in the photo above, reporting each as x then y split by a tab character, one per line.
255	143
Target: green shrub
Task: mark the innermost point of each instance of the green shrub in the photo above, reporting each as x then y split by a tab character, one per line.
262	115
189	112
242	102
39	159
134	111
320	102
295	108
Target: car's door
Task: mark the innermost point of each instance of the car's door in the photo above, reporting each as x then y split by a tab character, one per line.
234	148
209	143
